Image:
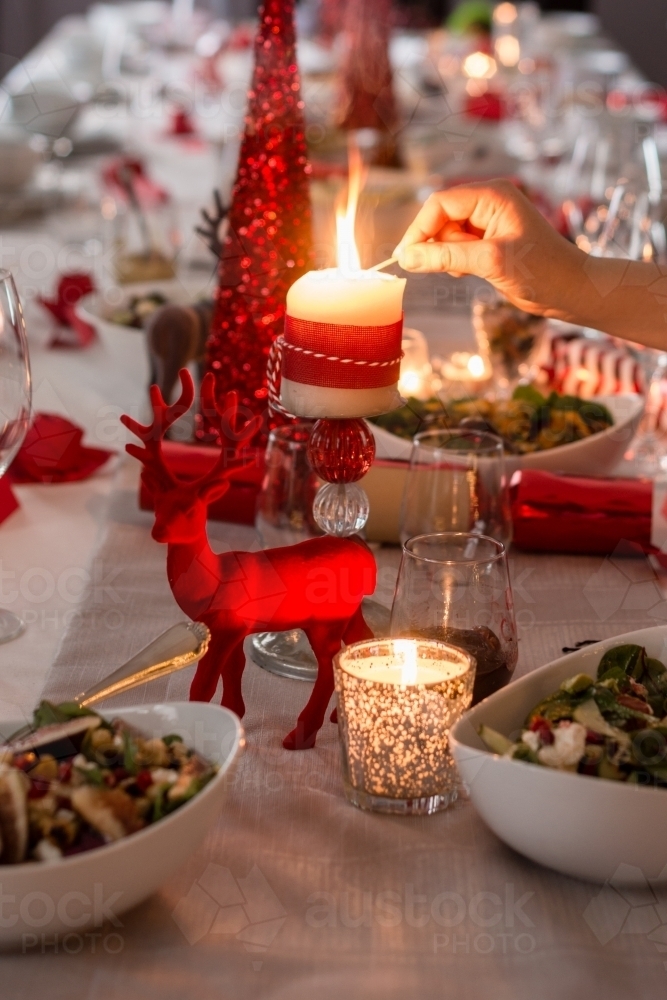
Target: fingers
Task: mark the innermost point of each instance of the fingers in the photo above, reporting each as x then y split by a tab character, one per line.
465	255
473	204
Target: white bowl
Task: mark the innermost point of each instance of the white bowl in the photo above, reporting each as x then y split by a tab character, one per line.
71	894
126	345
592	828
596	455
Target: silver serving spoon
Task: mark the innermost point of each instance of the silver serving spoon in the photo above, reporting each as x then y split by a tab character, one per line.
178	647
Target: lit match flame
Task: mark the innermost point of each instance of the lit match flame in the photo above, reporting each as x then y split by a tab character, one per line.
347	253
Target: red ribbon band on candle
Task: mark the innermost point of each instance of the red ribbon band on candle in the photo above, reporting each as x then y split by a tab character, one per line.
341	356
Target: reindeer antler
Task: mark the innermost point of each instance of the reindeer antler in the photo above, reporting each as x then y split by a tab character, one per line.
225	417
164	416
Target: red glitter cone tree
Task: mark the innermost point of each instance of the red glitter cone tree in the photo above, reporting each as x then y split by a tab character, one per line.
268	244
365	87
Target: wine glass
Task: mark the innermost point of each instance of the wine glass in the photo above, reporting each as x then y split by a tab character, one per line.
15	400
455	587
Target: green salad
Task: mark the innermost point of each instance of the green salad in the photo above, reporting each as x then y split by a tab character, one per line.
527	422
611	726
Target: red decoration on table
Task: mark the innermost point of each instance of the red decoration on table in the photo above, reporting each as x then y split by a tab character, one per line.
180	123
8	502
365	86
52	452
341	451
317	585
125	174
268	242
71	288
576	514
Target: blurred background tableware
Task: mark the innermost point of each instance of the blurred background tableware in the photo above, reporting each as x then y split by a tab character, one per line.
15	400
285	504
508	336
19	157
455	587
456	482
397	701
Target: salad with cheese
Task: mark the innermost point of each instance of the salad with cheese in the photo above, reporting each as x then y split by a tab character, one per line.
611	726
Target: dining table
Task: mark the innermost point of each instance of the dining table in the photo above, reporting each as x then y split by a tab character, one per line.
294	893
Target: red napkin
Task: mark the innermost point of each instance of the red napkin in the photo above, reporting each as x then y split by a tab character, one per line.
53	453
575	514
71	288
489	106
8	502
189	461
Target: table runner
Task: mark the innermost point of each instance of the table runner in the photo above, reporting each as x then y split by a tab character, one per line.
296	894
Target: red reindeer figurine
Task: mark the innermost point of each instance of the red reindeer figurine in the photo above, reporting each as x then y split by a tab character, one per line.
317	585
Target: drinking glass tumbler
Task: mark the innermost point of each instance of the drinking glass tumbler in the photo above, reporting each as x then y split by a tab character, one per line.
285	505
456	482
455	587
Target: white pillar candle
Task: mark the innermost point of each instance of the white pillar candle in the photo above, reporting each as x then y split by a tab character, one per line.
350	298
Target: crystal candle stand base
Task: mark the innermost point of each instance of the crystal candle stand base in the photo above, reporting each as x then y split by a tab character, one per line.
397	701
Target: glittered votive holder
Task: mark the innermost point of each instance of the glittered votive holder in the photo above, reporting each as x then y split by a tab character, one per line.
397	701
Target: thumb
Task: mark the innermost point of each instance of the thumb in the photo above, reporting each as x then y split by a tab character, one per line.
465	255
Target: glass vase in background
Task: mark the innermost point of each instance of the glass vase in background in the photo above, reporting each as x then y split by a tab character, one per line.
15	401
508	336
285	505
456	482
455	587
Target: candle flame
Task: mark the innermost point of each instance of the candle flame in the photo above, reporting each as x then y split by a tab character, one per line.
408	649
479	66
348	258
476	366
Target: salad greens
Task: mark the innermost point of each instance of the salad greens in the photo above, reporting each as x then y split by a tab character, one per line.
612	726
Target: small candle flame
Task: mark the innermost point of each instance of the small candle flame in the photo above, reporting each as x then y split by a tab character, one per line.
408	649
476	366
479	66
348	259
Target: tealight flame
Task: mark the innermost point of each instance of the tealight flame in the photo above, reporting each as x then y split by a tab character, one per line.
508	50
476	366
408	650
505	13
479	66
347	253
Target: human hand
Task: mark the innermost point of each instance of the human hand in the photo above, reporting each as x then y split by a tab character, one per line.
493	231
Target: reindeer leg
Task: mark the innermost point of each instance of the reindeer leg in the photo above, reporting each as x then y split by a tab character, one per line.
232	676
357	630
212	667
325	640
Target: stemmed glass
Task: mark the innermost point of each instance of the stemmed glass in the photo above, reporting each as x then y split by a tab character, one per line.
15	400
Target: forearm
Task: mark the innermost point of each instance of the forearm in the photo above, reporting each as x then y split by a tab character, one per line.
624	298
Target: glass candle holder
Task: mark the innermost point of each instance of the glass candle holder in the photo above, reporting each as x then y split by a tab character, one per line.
397	701
455	587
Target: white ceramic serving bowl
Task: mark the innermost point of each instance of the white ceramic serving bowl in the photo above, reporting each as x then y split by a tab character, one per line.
126	345
47	898
591	828
596	455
